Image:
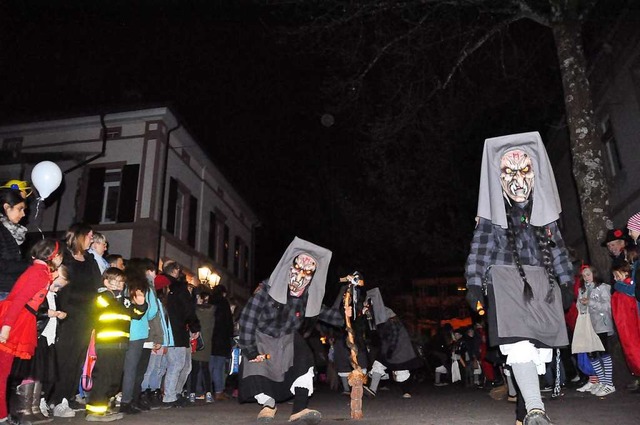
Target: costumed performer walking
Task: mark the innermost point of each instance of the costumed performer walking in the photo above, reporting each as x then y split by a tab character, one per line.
396	352
519	261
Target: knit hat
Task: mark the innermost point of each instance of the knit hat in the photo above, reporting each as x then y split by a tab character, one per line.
161	281
614	235
634	222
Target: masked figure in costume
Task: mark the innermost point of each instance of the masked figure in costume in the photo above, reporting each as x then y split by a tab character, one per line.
396	352
277	363
518	260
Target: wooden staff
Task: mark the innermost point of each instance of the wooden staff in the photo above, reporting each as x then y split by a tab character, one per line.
356	378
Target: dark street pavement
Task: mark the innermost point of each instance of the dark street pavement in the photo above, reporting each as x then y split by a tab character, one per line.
450	405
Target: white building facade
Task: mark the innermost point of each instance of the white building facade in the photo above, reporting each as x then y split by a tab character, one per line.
143	181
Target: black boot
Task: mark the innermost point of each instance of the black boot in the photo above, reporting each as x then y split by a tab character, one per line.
142	402
156	398
20	405
35	415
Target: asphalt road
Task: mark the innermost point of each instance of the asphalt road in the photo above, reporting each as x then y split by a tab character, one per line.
450	405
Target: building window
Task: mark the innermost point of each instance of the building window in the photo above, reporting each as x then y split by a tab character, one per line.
179	214
611	148
182	213
236	256
245	264
213	236
192	226
111	194
225	247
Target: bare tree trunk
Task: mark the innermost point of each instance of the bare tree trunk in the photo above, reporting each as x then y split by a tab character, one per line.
584	135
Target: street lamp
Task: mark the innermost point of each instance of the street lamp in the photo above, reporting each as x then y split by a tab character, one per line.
203	274
207	277
214	280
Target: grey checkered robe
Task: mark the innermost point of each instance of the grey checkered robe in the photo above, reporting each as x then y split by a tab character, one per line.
262	313
490	246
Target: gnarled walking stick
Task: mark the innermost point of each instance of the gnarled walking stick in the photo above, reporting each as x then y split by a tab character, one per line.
356	378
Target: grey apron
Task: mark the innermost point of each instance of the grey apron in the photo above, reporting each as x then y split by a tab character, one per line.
280	350
517	320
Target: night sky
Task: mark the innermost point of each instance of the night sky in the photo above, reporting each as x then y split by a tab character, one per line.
390	185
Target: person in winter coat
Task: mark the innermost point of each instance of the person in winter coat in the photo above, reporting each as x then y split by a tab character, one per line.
98	249
200	359
626	314
74	333
12	236
161	337
18	333
136	361
185	326
594	298
112	316
221	339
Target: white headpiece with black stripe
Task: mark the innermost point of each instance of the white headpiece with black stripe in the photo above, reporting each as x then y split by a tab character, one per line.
279	279
546	202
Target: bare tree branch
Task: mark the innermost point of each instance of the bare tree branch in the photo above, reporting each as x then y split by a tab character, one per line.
468	51
384	49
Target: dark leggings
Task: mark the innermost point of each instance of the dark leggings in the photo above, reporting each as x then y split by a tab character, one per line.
197	366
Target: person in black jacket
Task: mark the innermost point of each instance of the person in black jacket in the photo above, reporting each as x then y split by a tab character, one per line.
185	326
74	332
12	235
221	340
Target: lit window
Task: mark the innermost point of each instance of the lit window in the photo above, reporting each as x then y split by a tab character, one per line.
111	196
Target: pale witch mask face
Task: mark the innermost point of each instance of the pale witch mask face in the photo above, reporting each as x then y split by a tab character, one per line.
516	175
301	273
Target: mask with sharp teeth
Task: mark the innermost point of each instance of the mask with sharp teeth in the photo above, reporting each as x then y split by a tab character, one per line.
516	175
301	273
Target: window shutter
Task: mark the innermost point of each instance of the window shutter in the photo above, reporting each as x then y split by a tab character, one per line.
171	205
212	235
193	220
95	195
128	193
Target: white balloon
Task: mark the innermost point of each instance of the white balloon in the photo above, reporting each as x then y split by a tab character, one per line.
46	177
